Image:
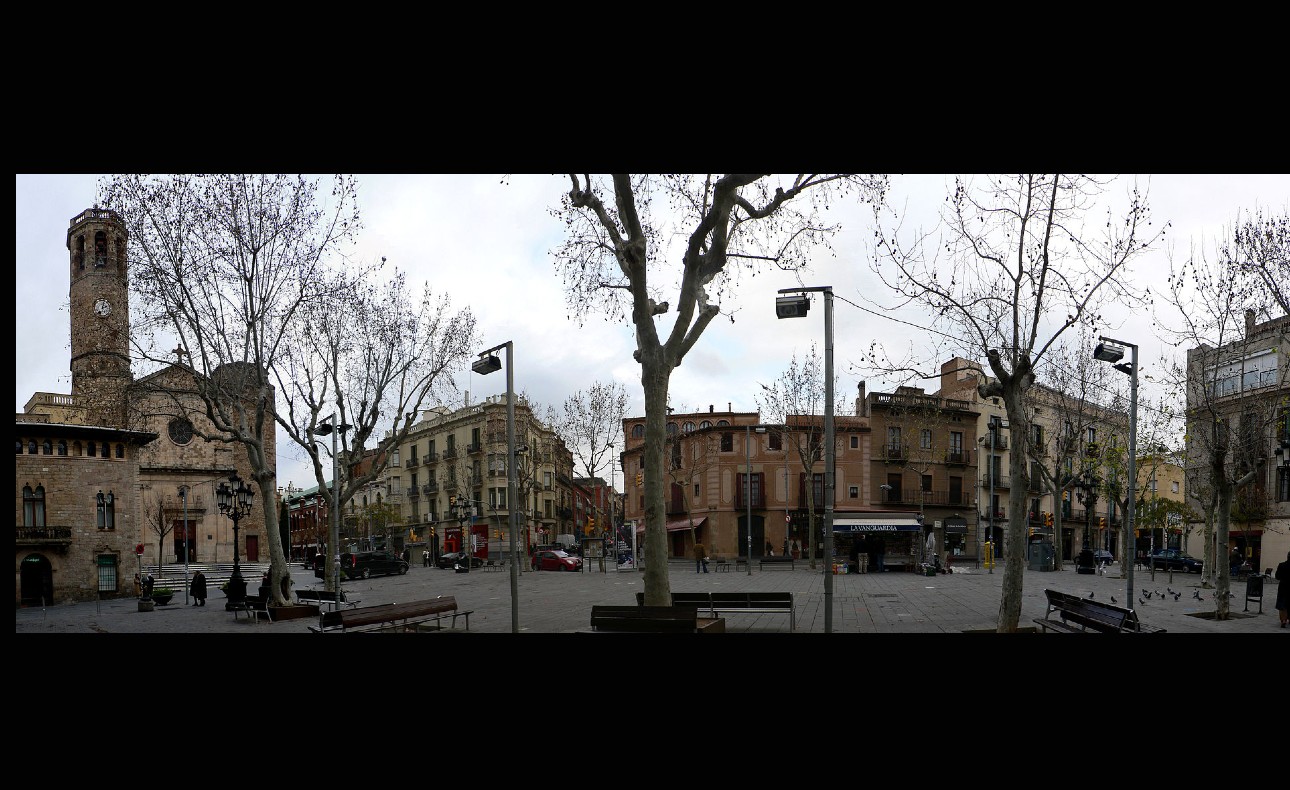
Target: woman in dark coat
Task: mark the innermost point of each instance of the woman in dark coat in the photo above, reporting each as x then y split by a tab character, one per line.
198	589
1283	594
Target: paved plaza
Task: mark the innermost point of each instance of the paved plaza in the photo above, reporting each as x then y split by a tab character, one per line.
550	603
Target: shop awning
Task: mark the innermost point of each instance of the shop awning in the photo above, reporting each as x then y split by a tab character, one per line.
955	526
673	526
876	523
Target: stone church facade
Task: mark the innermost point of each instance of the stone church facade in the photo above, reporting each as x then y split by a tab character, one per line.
100	471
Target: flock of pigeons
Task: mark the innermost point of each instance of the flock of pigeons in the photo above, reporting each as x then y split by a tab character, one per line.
1147	595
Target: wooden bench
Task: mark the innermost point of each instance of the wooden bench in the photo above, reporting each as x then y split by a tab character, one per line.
773	561
734	603
325	596
740	561
645	619
393	616
1088	615
491	565
721	565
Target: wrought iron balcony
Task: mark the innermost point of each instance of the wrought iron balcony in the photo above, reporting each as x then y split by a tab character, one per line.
956	457
896	450
413	493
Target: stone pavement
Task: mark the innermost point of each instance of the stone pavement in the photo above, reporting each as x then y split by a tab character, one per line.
880	603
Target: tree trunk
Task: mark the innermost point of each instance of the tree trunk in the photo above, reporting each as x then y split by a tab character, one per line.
655	376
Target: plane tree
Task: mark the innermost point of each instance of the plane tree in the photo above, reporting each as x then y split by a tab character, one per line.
629	238
1021	260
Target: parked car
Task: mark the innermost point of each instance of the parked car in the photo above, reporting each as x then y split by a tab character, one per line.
1103	557
1167	559
365	564
451	559
556	560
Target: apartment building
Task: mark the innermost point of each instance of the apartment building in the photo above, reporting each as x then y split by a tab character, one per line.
451	470
1238	392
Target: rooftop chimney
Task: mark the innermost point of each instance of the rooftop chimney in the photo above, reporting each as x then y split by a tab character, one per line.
860	404
709	408
1249	322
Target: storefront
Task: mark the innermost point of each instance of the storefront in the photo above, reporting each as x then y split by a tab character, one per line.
899	533
956	531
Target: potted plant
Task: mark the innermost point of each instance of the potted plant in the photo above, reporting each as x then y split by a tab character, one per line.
162	595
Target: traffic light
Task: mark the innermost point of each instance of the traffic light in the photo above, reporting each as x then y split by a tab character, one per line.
1101	522
1031	532
1048	519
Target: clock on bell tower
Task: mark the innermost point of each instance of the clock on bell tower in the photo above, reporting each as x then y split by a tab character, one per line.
96	242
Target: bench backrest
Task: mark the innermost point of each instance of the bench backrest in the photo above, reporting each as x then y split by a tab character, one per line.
389	612
331	620
1091	613
762	600
655	619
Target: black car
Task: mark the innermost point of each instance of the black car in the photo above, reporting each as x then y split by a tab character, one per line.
451	559
1173	559
365	564
1103	557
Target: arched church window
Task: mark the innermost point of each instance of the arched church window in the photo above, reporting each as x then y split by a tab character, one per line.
100	249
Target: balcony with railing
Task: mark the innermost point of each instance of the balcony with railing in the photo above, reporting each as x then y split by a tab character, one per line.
1091	449
414	493
893	451
999	481
432	456
474	447
451	452
957	457
414	461
1000	514
430	488
33	536
758	500
998	442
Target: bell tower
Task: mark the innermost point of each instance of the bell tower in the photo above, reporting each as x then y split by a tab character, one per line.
100	315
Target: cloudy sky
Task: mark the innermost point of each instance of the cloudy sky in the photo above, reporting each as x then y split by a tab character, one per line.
488	243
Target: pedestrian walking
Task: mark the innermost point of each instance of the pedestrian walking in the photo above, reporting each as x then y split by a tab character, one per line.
1236	561
425	558
198	589
700	558
882	555
770	549
1283	595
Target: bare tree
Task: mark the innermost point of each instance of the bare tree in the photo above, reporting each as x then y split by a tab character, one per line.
222	265
592	422
1235	393
1259	252
159	525
796	401
1018	271
613	246
1074	400
372	354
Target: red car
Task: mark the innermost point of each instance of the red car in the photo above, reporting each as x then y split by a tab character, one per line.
556	560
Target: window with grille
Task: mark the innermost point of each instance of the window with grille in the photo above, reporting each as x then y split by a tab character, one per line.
33	506
107	569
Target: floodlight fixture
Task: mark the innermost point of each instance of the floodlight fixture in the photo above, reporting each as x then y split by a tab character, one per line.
792	306
1108	352
487	363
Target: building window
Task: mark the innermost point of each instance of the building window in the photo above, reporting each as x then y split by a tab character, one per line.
105	451
775	440
727	442
91	449
756	497
687	427
107	573
676	455
925	439
62	447
394	457
1173	487
1283	484
956	491
181	431
706	424
671	429
638	431
33	506
47	448
927	483
956	443
855	442
106	510
1037	433
1091	436
120	451
31	447
854	492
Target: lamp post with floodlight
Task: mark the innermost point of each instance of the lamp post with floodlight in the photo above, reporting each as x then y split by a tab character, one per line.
487	363
796	307
329	427
1112	351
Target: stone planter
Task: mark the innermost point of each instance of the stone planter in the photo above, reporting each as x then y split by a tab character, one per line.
162	600
145	604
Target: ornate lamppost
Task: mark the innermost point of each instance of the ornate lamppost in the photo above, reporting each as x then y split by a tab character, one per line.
234	499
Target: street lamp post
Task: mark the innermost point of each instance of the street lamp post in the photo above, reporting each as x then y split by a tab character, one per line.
796	307
1110	350
329	426
234	499
183	493
487	363
996	423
